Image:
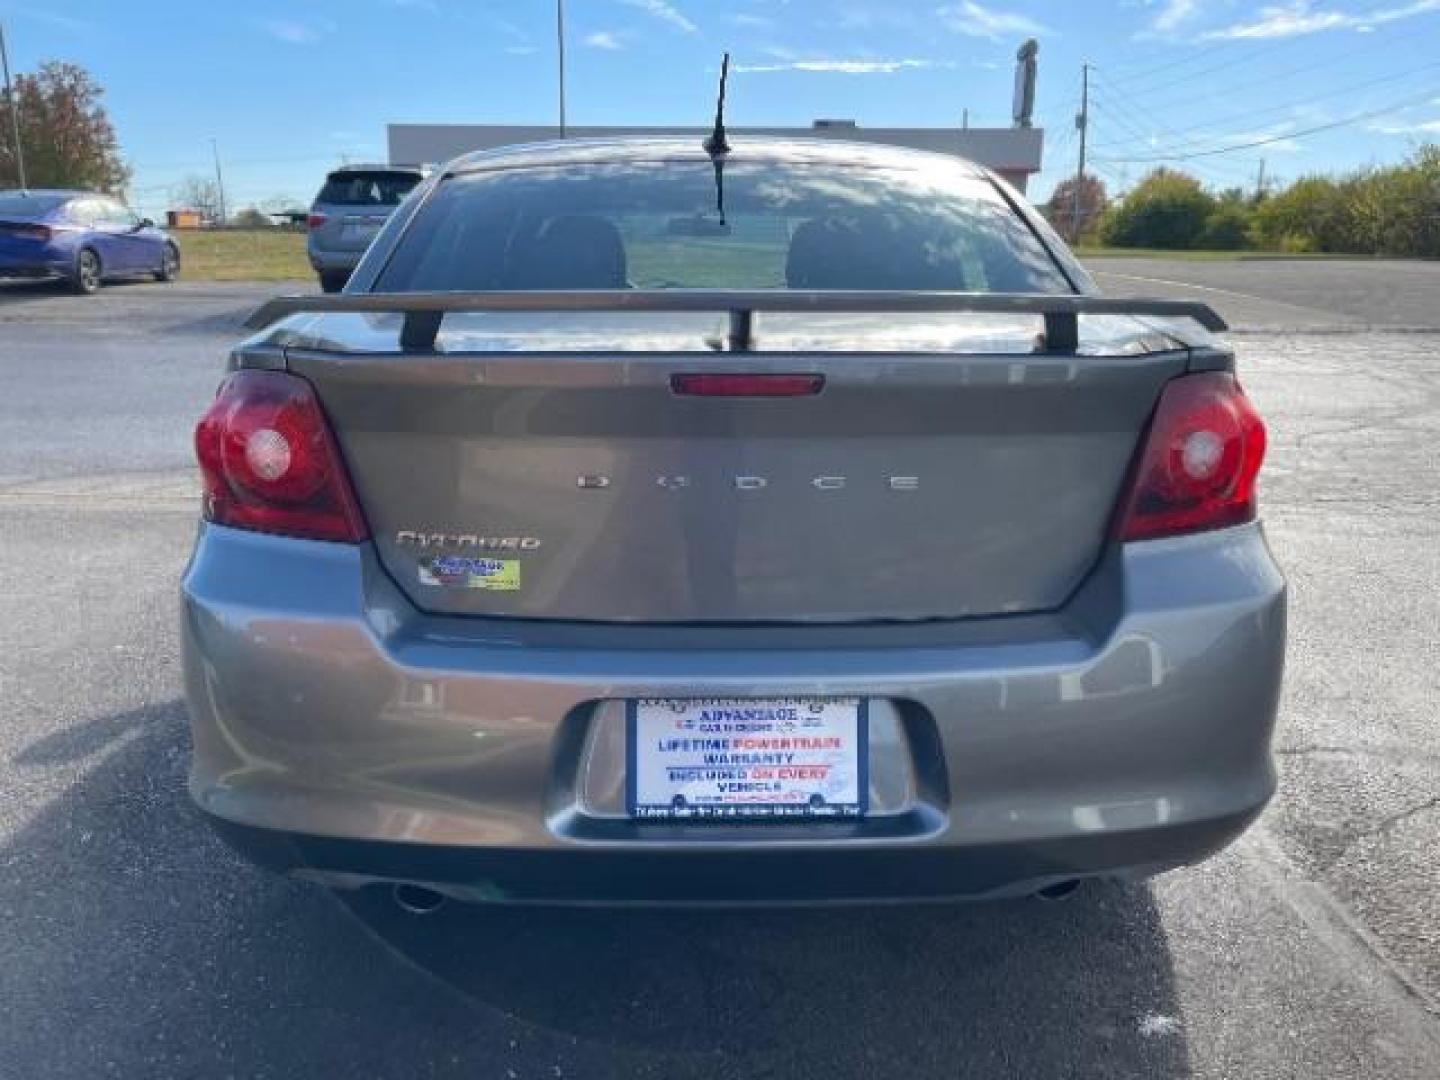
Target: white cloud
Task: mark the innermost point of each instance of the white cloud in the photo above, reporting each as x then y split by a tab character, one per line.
1302	17
1172	13
971	18
1423	127
665	12
603	39
296	31
843	67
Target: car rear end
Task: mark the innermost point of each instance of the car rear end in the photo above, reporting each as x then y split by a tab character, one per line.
352	206
33	235
947	587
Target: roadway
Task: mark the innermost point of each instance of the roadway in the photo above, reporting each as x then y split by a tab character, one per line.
134	944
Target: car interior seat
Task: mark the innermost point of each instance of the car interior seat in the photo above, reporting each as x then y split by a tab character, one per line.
574	251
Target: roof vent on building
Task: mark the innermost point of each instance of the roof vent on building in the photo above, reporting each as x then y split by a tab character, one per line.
833	124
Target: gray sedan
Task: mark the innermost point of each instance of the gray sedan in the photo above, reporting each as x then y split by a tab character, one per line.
788	524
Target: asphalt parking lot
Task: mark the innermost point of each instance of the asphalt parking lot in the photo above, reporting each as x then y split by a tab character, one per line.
133	944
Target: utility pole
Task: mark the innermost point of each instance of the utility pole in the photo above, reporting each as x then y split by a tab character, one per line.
219	181
1082	124
1260	182
560	48
14	112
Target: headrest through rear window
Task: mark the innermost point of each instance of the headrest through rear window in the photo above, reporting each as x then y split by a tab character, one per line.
867	249
571	252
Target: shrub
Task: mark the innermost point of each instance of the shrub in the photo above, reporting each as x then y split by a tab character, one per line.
250	218
1227	228
1296	244
1167	209
1309	209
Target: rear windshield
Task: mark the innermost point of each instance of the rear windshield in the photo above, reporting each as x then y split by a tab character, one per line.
29	205
656	225
366	188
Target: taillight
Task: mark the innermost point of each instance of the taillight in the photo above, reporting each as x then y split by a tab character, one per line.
741	384
269	462
314	221
1197	468
40	233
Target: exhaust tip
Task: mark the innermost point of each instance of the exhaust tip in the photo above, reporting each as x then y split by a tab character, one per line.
1061	890
416	899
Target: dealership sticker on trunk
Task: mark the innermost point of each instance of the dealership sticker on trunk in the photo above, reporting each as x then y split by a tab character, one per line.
728	758
470	572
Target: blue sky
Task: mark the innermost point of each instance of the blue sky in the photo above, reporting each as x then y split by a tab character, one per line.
288	88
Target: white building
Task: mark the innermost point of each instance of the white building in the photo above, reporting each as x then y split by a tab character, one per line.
1014	153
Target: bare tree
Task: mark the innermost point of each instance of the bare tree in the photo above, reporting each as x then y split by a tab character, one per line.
282	204
198	193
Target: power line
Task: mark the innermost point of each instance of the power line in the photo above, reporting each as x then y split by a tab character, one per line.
1187	141
1145	118
1220	172
1263	50
1200	54
1377	41
1370	115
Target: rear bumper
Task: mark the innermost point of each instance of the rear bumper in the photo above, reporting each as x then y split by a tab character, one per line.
341	735
35	265
757	874
328	260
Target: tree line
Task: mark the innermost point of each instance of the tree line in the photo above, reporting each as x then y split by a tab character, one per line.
1381	210
65	133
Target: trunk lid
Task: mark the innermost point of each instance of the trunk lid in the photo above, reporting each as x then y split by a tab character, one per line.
954	473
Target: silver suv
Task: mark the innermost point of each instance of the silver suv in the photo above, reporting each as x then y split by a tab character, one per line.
355	201
792	524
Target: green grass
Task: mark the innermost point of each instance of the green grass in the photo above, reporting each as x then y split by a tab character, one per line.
279	255
1199	256
242	255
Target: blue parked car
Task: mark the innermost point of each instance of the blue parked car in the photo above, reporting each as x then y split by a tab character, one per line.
82	238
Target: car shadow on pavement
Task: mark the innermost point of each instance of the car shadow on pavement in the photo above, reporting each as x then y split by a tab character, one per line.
18	290
135	943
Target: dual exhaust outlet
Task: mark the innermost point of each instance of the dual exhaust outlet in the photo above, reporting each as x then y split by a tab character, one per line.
418	900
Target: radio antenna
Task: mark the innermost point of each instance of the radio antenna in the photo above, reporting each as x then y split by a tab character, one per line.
716	143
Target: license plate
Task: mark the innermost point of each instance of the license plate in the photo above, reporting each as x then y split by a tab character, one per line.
728	758
360	229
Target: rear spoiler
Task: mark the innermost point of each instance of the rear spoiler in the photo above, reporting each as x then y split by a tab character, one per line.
423	311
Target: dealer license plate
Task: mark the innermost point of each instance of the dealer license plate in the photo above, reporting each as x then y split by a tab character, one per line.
361	229
727	758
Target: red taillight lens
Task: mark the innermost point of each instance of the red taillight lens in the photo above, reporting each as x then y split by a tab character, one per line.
269	462
746	385
39	233
314	221
1198	465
